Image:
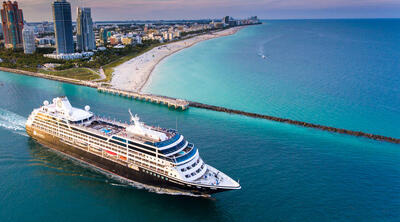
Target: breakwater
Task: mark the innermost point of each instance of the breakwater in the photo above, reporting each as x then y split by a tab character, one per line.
295	122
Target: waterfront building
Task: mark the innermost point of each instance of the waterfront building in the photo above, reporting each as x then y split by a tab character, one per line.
84	33
29	40
70	56
139	39
12	23
46	41
63	26
114	40
177	34
127	41
218	25
225	20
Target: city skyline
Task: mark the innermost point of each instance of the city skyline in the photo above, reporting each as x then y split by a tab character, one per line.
40	10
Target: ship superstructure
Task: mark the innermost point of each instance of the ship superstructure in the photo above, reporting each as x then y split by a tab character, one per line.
138	152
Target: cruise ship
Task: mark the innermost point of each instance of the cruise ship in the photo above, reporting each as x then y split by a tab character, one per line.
154	156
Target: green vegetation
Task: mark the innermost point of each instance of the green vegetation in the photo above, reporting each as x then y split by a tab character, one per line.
183	34
74	73
16	59
81	69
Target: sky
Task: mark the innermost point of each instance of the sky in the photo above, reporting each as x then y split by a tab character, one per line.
106	10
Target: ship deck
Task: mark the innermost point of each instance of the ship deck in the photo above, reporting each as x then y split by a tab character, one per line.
112	128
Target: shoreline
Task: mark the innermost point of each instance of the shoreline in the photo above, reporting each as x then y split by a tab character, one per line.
135	74
87	83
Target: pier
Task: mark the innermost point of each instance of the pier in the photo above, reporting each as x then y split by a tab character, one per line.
170	102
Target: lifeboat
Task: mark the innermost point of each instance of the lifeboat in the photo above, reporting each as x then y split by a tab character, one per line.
111	153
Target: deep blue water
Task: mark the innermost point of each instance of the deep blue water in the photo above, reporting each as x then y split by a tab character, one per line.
287	173
342	73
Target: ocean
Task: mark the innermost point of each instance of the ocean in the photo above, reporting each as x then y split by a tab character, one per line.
341	73
287	173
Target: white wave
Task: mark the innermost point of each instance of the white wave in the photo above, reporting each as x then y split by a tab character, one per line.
12	121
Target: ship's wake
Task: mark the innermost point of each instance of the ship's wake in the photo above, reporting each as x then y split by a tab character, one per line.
16	123
261	47
13	122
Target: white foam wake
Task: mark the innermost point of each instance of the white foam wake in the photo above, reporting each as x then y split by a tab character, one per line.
12	121
261	46
16	123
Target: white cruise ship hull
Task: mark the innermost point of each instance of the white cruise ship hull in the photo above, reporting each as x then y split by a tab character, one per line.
131	172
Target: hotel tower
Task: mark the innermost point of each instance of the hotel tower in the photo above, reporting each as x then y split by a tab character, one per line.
63	26
84	30
13	23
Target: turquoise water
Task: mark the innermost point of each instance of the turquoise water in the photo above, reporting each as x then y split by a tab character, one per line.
342	73
287	173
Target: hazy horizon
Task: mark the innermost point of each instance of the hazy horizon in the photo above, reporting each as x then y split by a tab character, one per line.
123	10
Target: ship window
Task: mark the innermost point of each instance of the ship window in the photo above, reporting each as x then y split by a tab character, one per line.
115	142
119	139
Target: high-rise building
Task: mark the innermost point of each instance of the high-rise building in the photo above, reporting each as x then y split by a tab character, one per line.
225	20
13	23
103	35
29	40
63	26
84	30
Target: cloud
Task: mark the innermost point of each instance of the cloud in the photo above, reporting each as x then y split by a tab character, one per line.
39	10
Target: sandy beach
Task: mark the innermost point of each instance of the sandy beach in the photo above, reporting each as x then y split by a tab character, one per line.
134	74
